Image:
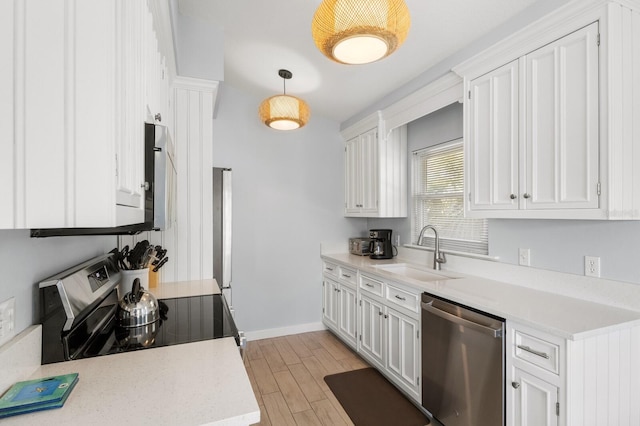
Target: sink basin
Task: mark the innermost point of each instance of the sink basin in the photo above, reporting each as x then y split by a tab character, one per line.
411	271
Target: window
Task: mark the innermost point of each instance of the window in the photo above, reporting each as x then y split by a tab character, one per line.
438	200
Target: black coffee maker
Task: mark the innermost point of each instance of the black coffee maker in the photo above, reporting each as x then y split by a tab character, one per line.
380	246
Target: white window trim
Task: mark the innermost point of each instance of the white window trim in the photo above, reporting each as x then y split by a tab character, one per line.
415	183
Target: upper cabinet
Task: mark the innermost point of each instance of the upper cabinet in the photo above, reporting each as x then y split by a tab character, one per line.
78	94
375	170
549	118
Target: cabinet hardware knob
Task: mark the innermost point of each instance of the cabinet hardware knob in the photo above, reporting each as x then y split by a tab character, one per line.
527	195
158	117
386	316
379	313
513	196
515	385
145	185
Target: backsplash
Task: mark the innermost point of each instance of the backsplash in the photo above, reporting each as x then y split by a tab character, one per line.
26	261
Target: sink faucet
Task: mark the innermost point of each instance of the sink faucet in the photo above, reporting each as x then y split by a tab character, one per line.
438	257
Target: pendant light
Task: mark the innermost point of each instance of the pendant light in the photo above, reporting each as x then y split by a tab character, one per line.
284	112
360	31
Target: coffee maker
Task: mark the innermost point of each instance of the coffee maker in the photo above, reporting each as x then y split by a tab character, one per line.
380	246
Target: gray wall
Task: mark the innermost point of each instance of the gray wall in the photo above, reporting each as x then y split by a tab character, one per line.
25	261
557	245
287	199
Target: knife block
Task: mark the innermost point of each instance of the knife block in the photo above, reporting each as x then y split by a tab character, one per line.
153	278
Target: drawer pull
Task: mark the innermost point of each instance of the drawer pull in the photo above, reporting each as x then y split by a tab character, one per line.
368	285
400	298
329	269
533	351
346	276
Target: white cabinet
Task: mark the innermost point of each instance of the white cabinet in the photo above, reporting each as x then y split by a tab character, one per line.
389	339
403	350
339	303
534	401
372	331
375	170
361	174
76	90
330	301
535	377
532	132
492	144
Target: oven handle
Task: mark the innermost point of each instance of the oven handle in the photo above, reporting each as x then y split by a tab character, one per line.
461	321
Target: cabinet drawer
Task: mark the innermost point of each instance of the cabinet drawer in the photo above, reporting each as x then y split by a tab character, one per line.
536	351
330	268
371	285
403	298
349	275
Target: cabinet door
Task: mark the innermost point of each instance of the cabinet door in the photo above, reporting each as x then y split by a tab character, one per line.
130	101
493	139
561	143
403	345
372	330
534	400
348	314
330	303
7	145
369	173
352	190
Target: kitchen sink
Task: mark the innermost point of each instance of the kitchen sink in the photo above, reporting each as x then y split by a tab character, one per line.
412	271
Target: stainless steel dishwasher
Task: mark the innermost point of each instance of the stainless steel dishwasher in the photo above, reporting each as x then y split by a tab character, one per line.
463	364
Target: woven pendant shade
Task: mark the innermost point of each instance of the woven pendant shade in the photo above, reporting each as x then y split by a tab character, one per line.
360	31
284	112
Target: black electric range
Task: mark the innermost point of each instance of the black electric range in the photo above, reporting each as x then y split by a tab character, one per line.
78	314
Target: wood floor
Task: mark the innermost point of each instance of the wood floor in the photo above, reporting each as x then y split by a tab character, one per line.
287	378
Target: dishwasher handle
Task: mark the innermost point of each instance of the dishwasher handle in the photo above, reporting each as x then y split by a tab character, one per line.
497	333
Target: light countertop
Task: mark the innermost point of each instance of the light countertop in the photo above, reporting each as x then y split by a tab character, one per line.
202	383
563	316
171	290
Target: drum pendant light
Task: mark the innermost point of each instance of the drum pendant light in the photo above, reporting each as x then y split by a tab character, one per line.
284	112
360	31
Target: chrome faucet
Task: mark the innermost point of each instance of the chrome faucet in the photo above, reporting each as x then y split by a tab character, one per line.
438	257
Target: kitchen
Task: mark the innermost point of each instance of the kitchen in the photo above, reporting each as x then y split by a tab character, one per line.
294	181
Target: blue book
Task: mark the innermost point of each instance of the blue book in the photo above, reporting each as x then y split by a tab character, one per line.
36	395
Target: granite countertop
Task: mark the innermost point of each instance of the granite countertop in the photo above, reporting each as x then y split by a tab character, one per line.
202	383
563	316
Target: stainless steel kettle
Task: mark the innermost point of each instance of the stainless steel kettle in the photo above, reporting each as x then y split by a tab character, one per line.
138	307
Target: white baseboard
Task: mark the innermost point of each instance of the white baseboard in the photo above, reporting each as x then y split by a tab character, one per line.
284	331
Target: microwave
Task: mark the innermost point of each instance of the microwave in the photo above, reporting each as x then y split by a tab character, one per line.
160	190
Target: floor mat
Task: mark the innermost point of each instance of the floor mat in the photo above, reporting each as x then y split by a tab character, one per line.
370	400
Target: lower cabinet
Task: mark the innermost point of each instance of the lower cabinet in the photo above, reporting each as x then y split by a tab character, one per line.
534	400
339	313
535	377
372	331
403	350
390	341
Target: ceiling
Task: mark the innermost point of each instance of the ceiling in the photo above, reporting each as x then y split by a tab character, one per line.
260	37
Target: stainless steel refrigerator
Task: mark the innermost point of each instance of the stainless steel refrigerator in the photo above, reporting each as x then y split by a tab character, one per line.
222	230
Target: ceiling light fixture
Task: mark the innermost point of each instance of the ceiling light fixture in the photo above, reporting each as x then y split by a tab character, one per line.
284	112
360	31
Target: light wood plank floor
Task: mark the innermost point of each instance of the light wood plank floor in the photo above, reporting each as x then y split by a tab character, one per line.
287	378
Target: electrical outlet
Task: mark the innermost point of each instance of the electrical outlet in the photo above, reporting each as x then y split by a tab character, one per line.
7	320
592	266
524	257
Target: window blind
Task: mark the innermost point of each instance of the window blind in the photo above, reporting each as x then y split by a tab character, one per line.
438	200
